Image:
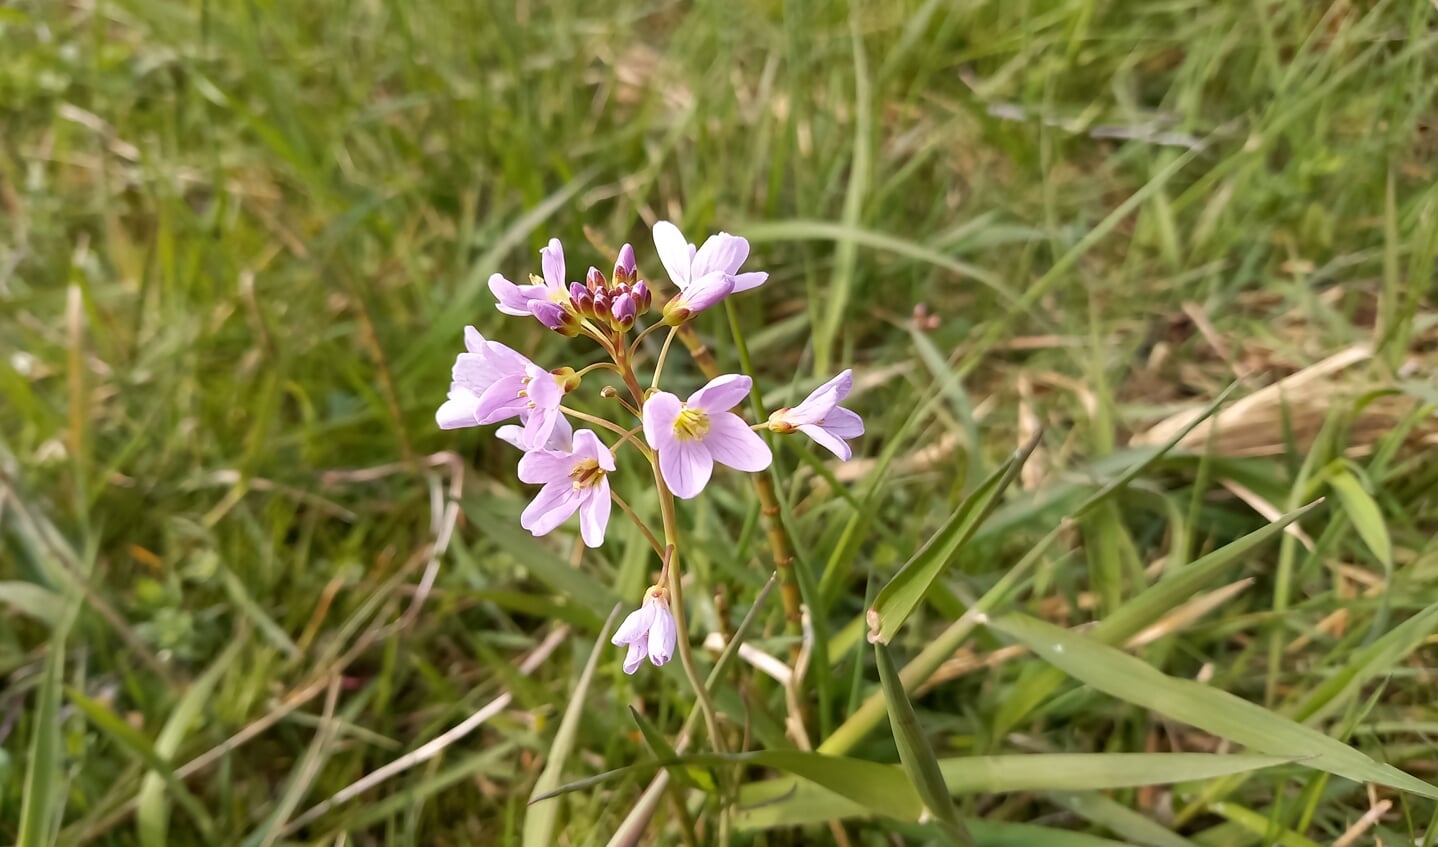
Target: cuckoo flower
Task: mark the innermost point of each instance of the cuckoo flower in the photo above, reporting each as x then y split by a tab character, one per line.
574	480
492	382
648	631
822	418
692	435
517	299
705	275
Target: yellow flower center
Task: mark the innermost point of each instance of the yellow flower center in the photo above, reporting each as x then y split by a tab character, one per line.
586	474
692	424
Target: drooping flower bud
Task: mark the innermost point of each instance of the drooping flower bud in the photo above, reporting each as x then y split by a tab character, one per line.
624	267
556	317
623	311
595	280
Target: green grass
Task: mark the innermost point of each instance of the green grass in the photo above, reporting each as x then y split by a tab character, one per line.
241	241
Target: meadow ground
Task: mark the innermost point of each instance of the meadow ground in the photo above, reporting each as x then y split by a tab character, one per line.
241	241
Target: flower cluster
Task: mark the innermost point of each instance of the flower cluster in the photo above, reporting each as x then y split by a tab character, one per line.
682	439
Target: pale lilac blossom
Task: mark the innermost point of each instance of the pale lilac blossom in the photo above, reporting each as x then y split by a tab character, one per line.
703	275
690	436
573	480
822	418
649	631
492	383
551	288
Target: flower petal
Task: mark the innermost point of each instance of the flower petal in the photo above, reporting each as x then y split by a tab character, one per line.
753	279
721	252
545	466
660	412
731	442
473	341
560	439
459	410
821	400
686	467
722	393
512	300
635	657
550	508
844	423
705	291
588	446
673	252
635	625
551	258
594	511
540	427
662	635
501	400
828	440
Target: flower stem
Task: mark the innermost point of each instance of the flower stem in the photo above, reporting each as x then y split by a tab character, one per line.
625	435
608	366
663	354
649	330
639	522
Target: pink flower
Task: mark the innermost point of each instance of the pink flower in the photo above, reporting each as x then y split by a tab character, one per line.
822	418
574	480
517	299
706	275
492	382
648	631
691	436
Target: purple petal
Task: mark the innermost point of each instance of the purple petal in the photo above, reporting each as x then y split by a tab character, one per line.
673	252
722	252
594	514
662	635
705	291
635	657
459	410
828	440
588	446
561	439
513	299
624	309
753	279
549	314
551	258
821	400
731	442
844	423
545	466
540	427
660	412
501	400
635	626
722	393
473	341
550	508
686	467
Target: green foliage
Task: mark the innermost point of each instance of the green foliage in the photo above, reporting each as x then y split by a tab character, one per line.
241	570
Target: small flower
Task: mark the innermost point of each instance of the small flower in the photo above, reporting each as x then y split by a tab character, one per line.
492	382
691	436
574	480
516	299
705	275
822	418
648	631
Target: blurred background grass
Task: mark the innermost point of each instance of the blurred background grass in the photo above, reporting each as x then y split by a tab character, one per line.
241	241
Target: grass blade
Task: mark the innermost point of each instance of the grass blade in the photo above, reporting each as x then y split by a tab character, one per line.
1120	675
916	754
902	595
539	822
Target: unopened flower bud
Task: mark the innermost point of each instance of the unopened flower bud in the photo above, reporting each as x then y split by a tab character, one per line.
595	280
623	311
609	392
624	268
581	298
566	378
642	298
556	317
601	303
